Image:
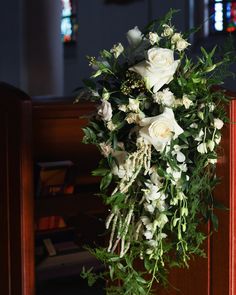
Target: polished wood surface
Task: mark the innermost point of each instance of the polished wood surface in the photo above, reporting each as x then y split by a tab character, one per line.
16	193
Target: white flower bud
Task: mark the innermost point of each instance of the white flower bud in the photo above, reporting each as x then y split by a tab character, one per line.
153	38
218	123
117	49
168	31
200	115
202	148
211	145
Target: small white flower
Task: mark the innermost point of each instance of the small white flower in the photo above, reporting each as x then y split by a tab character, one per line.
165	97
181	45
176	37
106	149
194	125
183	167
202	148
123	108
168	31
161	236
212	161
111	126
162	220
117	49
153	38
119	171
134	37
145	220
211	106
134	117
200	135
148	235
105	110
133	105
211	145
218	123
217	138
149	207
187	102
179	155
152	243
178	103
160	205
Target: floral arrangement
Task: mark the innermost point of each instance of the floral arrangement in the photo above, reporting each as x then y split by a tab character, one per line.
158	127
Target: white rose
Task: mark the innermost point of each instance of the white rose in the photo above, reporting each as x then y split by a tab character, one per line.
105	110
165	97
186	102
218	123
176	37
168	31
158	69
159	130
181	45
134	37
117	50
153	38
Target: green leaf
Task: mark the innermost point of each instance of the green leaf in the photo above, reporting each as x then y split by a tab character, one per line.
214	221
105	182
100	172
89	83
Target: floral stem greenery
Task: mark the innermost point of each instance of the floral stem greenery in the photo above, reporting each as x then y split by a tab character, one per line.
158	127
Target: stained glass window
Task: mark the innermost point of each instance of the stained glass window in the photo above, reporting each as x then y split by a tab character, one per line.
68	21
223	16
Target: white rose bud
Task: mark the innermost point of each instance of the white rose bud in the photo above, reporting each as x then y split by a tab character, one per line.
168	31
153	38
105	110
218	123
134	37
117	50
181	45
176	37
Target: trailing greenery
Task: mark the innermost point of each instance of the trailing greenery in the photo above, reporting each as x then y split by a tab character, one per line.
158	126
